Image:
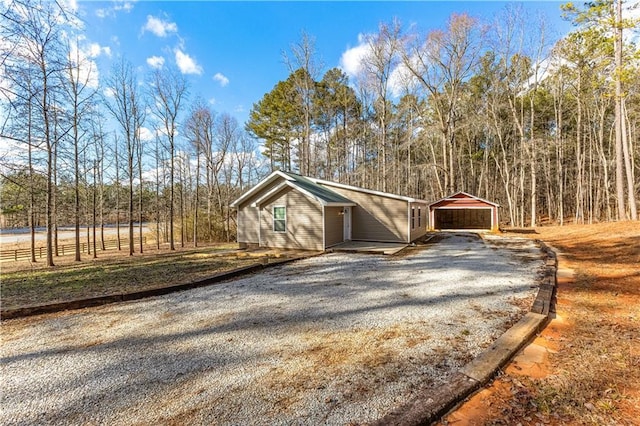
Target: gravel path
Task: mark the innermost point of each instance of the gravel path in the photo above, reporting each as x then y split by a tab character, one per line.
334	339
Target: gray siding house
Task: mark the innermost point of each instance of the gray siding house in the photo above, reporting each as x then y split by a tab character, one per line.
286	210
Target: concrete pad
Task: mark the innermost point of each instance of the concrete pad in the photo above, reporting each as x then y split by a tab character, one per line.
369	247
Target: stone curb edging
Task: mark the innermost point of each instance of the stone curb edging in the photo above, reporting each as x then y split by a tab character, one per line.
429	406
123	297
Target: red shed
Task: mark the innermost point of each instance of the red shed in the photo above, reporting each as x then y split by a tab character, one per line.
463	211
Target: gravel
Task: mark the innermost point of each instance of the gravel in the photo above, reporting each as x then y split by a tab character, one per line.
334	339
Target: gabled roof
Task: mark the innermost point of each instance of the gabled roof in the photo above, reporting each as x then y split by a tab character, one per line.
259	186
318	191
460	195
303	184
367	191
315	188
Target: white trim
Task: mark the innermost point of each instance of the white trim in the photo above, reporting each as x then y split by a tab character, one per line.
324	230
450	197
259	227
461	207
259	186
273	223
276	189
491	209
366	191
269	194
346	223
408	222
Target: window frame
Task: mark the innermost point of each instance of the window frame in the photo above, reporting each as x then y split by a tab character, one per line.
413	217
283	220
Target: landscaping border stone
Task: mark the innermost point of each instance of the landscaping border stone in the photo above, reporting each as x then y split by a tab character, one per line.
430	406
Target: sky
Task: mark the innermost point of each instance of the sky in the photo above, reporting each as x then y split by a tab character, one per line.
232	52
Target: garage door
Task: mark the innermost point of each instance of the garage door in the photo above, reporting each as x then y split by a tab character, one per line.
462	218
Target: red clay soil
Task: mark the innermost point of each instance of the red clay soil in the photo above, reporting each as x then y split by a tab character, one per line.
584	367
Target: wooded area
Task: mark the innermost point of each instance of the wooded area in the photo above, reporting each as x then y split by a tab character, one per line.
547	128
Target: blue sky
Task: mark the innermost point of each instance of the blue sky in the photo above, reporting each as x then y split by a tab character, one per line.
231	52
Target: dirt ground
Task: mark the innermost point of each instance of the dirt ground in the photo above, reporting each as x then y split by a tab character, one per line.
584	367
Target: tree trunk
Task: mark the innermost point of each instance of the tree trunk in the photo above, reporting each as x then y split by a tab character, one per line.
622	214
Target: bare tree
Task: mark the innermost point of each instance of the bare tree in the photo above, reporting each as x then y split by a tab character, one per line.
442	61
80	90
33	31
304	69
126	106
169	92
381	60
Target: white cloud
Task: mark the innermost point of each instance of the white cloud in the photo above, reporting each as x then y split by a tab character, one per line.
401	80
146	134
212	101
159	27
127	6
85	68
94	50
353	63
108	92
71	5
155	61
119	5
221	78
352	58
187	64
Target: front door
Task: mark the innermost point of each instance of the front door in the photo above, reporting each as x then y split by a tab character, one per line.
347	223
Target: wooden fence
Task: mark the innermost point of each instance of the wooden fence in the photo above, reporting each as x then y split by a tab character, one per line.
65	249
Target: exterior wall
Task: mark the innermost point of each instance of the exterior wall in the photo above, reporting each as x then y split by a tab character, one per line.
248	225
419	227
333	226
376	218
303	222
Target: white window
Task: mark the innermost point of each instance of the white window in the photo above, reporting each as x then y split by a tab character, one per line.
279	219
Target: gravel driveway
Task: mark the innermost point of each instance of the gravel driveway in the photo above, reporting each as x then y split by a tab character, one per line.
334	339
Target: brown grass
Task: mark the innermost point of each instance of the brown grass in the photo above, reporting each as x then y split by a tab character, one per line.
595	371
24	283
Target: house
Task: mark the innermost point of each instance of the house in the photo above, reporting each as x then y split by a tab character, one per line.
287	210
463	211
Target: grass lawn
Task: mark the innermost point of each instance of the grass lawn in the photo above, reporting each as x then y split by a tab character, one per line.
25	284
